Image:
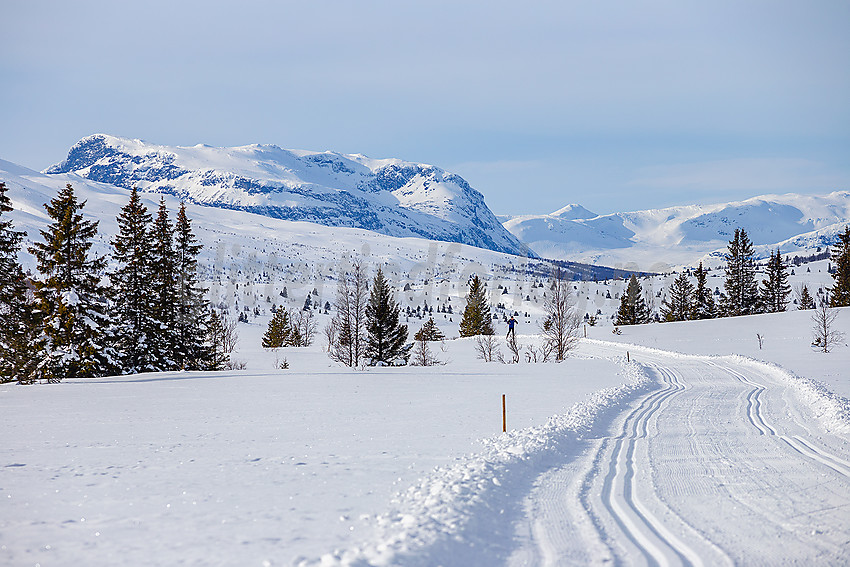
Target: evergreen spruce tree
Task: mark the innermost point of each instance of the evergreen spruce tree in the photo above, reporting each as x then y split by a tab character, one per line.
741	287
164	292
840	292
429	332
18	321
680	304
633	309
775	289
806	301
704	307
215	351
71	298
191	315
386	338
133	287
476	319
279	332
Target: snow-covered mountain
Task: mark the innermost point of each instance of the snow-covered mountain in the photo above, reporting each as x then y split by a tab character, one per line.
389	196
238	242
653	239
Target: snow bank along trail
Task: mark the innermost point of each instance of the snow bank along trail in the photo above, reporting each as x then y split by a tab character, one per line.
464	513
723	464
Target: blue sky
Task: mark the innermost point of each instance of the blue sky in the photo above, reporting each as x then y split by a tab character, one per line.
613	105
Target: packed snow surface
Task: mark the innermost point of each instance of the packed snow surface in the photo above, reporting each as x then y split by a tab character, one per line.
667	459
710	442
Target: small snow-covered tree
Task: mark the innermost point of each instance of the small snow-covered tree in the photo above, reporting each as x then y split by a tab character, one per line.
386	341
806	301
429	332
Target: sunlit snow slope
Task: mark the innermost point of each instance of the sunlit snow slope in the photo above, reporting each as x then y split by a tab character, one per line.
655	238
389	196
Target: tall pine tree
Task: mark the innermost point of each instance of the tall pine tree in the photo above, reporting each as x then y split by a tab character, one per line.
840	292
704	307
133	285
386	338
633	309
775	289
741	287
679	306
476	319
18	322
164	292
71	298
192	313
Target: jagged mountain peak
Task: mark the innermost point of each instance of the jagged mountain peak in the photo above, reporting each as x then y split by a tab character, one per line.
390	196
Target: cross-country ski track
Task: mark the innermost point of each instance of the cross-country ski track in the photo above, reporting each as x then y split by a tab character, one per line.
721	464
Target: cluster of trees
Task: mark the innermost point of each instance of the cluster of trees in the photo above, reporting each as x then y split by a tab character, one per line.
743	293
76	319
290	328
366	327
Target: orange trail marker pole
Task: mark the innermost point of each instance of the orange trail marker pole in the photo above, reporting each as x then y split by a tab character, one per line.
504	416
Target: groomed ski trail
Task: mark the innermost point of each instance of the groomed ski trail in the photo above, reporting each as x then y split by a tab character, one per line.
719	466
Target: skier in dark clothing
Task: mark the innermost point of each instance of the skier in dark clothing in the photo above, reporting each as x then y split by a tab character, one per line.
511	331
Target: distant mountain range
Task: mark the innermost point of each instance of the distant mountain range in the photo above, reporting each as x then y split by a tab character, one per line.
405	199
656	238
388	196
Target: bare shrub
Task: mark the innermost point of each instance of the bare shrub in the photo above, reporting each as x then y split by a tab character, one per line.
487	348
560	328
825	335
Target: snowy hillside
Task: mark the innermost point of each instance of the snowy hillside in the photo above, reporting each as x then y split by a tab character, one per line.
620	455
259	255
389	196
654	239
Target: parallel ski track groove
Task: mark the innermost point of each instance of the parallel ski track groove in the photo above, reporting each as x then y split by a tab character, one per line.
631	516
799	444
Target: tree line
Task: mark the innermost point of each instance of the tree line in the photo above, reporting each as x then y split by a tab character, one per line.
744	295
78	319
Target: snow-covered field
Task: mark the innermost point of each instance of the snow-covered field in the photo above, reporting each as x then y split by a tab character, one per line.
665	459
323	463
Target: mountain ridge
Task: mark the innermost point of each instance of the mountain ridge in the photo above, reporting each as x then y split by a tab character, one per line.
686	233
389	196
